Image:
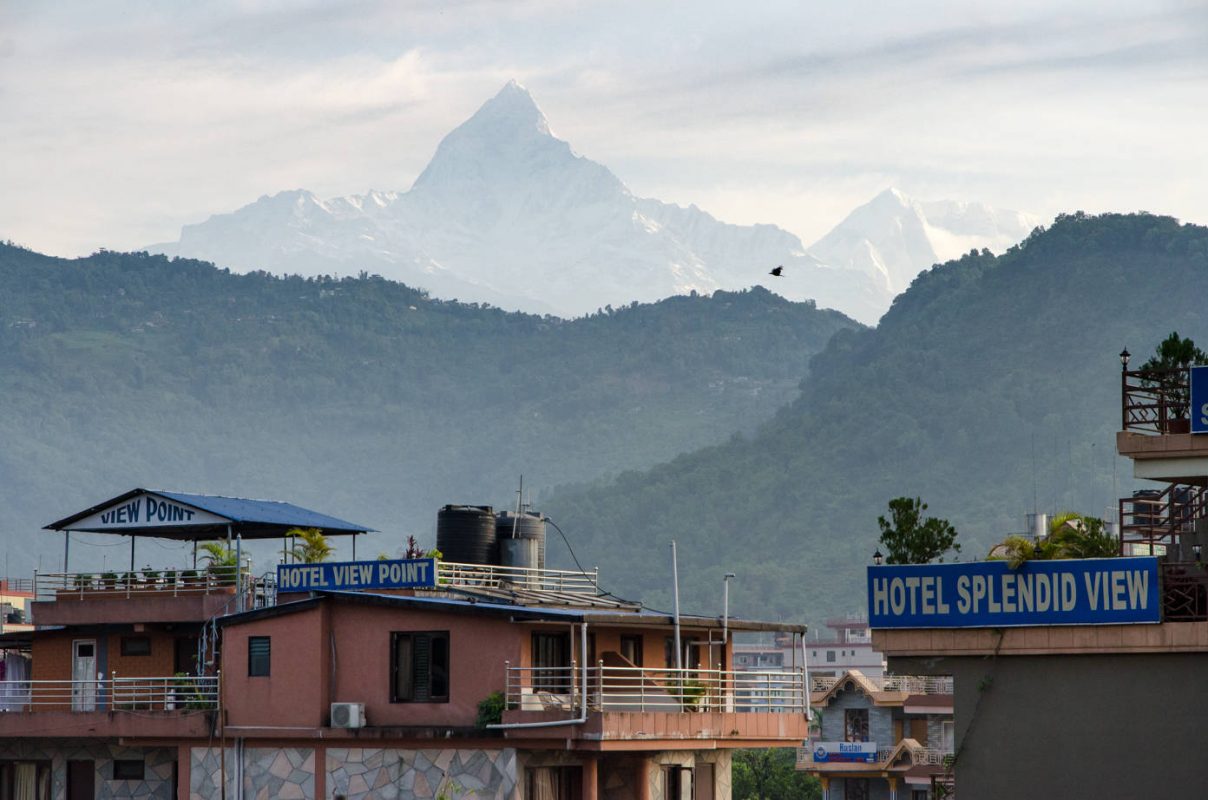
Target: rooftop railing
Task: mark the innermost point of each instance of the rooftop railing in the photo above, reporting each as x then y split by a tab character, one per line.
491	576
910	684
638	689
178	693
1155	401
165	582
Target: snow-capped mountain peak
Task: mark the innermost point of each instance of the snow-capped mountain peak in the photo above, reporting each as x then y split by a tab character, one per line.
893	237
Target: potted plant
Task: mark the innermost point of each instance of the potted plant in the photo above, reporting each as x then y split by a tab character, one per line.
109	580
190	579
82	582
221	563
1167	374
170	578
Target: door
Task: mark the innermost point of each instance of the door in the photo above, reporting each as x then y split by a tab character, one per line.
83	675
551	663
631	649
918	731
81	780
704	781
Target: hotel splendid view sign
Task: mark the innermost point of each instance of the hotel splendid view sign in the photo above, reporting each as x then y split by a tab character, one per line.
989	594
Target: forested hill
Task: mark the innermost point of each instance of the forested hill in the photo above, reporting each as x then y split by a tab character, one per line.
360	397
985	367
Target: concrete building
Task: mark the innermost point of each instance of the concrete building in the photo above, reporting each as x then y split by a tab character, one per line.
904	723
1073	678
374	679
847	646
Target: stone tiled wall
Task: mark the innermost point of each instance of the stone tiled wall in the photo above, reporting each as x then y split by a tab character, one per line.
157	778
269	773
388	774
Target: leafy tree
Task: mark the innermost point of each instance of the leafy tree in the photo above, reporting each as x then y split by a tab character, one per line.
771	775
313	547
1071	535
1169	361
910	539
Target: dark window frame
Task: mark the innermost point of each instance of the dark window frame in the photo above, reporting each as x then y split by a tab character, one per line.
260	665
129	769
130	652
433	672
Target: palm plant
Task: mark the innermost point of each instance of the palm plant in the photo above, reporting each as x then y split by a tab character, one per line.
313	547
221	561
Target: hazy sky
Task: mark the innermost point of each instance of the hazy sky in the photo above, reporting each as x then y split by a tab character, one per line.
119	122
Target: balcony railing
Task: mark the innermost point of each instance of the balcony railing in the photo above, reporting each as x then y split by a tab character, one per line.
111	694
1156	401
639	689
910	684
1184	592
1157	518
919	756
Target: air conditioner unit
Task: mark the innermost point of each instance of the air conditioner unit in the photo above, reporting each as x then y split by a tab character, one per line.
347	715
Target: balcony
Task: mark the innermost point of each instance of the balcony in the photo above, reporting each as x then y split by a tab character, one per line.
625	702
166	595
1153	520
906	684
129	707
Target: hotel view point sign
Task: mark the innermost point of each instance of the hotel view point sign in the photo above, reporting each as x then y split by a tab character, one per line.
408	573
989	594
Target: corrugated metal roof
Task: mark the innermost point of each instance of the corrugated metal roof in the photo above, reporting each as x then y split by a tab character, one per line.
253	519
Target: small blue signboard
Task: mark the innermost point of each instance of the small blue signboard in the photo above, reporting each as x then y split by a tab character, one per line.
845	752
411	573
1199	399
989	594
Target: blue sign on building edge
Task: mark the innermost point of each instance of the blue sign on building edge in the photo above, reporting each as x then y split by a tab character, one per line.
410	573
989	594
1199	399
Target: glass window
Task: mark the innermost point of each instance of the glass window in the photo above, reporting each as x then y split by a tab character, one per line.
855	725
419	667
127	769
25	780
259	656
136	646
553	783
830	656
855	789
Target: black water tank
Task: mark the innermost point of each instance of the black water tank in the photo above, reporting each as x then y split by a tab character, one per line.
525	526
466	534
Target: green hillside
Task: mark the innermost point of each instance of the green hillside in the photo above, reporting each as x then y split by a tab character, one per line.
985	367
361	397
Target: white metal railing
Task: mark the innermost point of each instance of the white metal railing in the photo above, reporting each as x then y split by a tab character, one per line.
931	755
642	689
910	684
83	585
178	693
496	577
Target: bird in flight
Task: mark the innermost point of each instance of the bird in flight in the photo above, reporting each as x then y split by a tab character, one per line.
778	272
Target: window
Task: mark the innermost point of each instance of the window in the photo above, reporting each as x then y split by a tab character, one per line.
551	663
830	656
136	646
947	736
259	656
25	779
553	783
918	794
691	654
419	667
677	782
855	725
127	770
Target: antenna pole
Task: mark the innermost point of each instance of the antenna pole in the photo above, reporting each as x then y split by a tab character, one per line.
679	659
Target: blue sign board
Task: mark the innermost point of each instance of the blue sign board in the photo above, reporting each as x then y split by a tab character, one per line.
989	594
1199	399
412	573
845	752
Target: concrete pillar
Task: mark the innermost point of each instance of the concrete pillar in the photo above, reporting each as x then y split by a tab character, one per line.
825	787
641	778
320	772
184	763
893	788
591	768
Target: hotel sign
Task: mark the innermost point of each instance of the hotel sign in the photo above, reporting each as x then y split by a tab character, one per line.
989	594
1199	399
146	511
845	752
411	573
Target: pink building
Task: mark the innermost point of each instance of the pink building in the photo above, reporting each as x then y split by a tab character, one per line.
480	680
